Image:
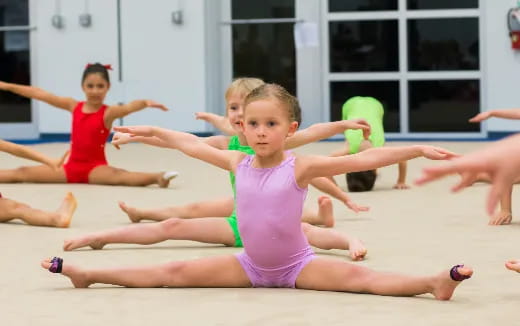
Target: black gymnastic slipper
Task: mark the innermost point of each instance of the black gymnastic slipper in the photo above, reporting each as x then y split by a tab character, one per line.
56	265
456	276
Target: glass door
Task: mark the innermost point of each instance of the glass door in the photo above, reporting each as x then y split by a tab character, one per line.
17	118
258	40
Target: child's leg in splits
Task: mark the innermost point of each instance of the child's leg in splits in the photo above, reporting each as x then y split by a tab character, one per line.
108	175
222	207
10	210
223	271
207	230
34	174
329	275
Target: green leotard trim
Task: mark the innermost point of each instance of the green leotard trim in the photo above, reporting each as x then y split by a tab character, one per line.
372	111
232	220
234	145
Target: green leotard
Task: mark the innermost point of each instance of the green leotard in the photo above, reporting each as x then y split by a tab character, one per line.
372	111
234	145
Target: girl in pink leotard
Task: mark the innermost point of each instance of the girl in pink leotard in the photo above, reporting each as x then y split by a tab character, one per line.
271	187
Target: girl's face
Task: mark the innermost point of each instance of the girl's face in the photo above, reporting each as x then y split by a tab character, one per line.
266	126
235	110
95	88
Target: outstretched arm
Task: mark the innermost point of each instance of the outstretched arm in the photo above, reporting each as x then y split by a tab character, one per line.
120	138
325	130
30	154
315	166
218	121
327	186
36	93
189	144
119	111
505	114
500	161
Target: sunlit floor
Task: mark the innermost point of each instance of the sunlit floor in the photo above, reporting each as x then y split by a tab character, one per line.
419	231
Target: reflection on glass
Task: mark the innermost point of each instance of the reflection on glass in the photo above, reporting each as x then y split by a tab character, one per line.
442	4
253	9
444	106
361	5
265	51
387	92
443	44
14	68
14	13
363	46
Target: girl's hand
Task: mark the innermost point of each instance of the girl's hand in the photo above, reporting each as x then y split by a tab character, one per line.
401	186
359	124
120	138
202	116
481	117
3	85
437	153
153	104
56	164
355	207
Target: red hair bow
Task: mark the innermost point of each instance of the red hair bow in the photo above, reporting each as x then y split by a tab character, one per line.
107	67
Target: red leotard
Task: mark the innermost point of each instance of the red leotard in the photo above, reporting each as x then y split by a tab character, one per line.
87	144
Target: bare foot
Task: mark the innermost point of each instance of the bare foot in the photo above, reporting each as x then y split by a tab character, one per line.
356	249
66	210
513	265
444	285
132	212
83	241
166	177
325	211
76	275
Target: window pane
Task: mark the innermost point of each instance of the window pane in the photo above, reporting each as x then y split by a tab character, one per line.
14	68
252	9
387	92
361	5
14	13
443	44
265	51
444	106
442	4
364	46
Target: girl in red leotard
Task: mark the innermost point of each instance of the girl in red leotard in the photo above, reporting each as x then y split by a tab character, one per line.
91	124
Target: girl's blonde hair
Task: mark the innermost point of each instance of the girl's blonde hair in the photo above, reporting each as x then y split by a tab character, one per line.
277	92
243	86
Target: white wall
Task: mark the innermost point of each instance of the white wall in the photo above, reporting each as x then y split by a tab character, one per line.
502	65
160	61
59	56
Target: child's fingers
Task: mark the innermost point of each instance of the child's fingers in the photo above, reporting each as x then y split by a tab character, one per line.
434	173
466	180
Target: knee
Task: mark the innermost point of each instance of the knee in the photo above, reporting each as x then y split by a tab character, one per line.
177	274
20	174
171	224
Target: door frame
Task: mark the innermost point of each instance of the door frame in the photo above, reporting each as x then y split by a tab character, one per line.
309	72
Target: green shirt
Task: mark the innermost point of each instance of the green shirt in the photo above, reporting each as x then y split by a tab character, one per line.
372	111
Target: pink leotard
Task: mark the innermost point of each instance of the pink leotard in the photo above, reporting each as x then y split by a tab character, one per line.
269	210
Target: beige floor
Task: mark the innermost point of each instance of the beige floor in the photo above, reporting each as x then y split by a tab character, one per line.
422	230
